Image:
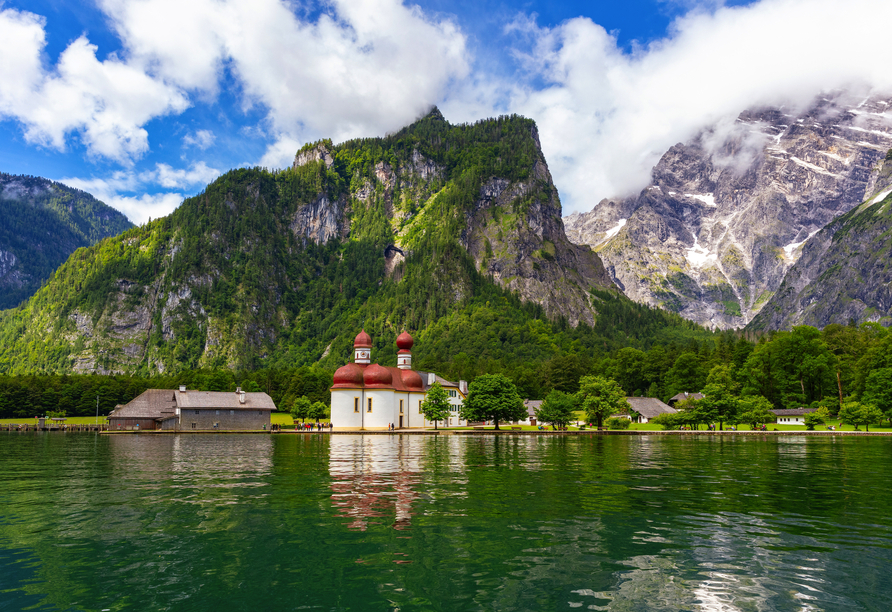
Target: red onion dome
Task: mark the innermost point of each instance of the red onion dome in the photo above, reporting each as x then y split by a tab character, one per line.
404	341
377	376
349	375
412	380
363	340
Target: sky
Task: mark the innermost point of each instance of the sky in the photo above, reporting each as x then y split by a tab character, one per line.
144	102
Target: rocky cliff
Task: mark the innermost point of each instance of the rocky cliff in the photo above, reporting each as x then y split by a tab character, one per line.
727	214
279	269
843	275
41	223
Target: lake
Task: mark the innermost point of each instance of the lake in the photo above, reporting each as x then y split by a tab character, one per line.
449	522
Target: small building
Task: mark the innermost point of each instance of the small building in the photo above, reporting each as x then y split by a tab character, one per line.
365	395
684	396
183	410
647	408
531	407
793	416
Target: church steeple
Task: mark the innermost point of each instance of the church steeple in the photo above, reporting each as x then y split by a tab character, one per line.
362	349
404	343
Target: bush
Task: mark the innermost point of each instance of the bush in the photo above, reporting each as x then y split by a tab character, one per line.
618	423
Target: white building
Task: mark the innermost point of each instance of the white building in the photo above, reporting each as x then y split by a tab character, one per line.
366	395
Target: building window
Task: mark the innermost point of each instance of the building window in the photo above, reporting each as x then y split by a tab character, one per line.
193	424
401	406
355	404
196	412
452	393
370	405
232	412
419	406
217	412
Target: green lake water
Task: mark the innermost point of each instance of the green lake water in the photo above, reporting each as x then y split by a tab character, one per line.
319	522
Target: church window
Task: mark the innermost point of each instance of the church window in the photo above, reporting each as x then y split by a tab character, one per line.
370	405
355	404
401	406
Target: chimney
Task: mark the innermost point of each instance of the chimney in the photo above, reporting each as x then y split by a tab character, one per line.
463	387
238	389
431	378
241	397
182	388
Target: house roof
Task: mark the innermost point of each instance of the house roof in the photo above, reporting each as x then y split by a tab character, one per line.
150	404
532	406
223	399
793	411
649	407
425	377
685	395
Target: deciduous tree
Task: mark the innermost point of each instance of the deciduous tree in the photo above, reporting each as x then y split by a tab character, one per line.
435	406
600	397
493	397
557	408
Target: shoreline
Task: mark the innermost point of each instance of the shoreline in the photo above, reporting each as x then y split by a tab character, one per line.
501	432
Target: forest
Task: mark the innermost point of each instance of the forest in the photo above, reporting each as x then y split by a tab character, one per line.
804	367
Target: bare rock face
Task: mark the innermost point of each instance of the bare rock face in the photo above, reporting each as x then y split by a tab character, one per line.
319	152
726	214
843	275
515	233
321	220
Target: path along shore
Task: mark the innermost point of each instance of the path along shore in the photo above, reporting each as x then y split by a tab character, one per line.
505	432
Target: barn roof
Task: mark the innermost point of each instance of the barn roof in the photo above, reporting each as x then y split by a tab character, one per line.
192	400
649	407
532	406
150	404
685	396
793	411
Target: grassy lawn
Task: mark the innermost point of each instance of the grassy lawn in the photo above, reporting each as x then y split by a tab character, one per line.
70	421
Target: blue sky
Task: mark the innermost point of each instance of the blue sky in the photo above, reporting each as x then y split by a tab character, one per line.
143	102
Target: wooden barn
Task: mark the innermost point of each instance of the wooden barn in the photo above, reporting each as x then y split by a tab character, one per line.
183	410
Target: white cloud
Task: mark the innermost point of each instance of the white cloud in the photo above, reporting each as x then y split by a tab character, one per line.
170	178
281	153
606	117
106	103
362	69
201	139
139	208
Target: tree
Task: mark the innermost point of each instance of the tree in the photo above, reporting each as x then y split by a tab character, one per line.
301	408
686	374
318	410
557	409
493	397
818	417
600	397
719	399
668	420
435	406
856	413
878	391
756	411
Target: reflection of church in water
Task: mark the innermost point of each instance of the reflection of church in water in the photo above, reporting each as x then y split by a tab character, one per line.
366	395
372	474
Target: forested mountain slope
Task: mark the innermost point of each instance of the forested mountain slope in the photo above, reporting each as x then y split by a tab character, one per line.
727	213
41	223
452	232
845	272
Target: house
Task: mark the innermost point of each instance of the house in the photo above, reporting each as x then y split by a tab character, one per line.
367	395
531	406
684	396
648	408
183	410
795	416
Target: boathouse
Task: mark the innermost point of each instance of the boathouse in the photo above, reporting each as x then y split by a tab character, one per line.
184	410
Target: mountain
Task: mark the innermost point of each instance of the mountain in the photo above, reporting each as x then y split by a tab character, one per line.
453	232
726	214
843	274
41	223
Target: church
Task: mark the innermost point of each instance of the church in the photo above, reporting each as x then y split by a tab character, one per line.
366	395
